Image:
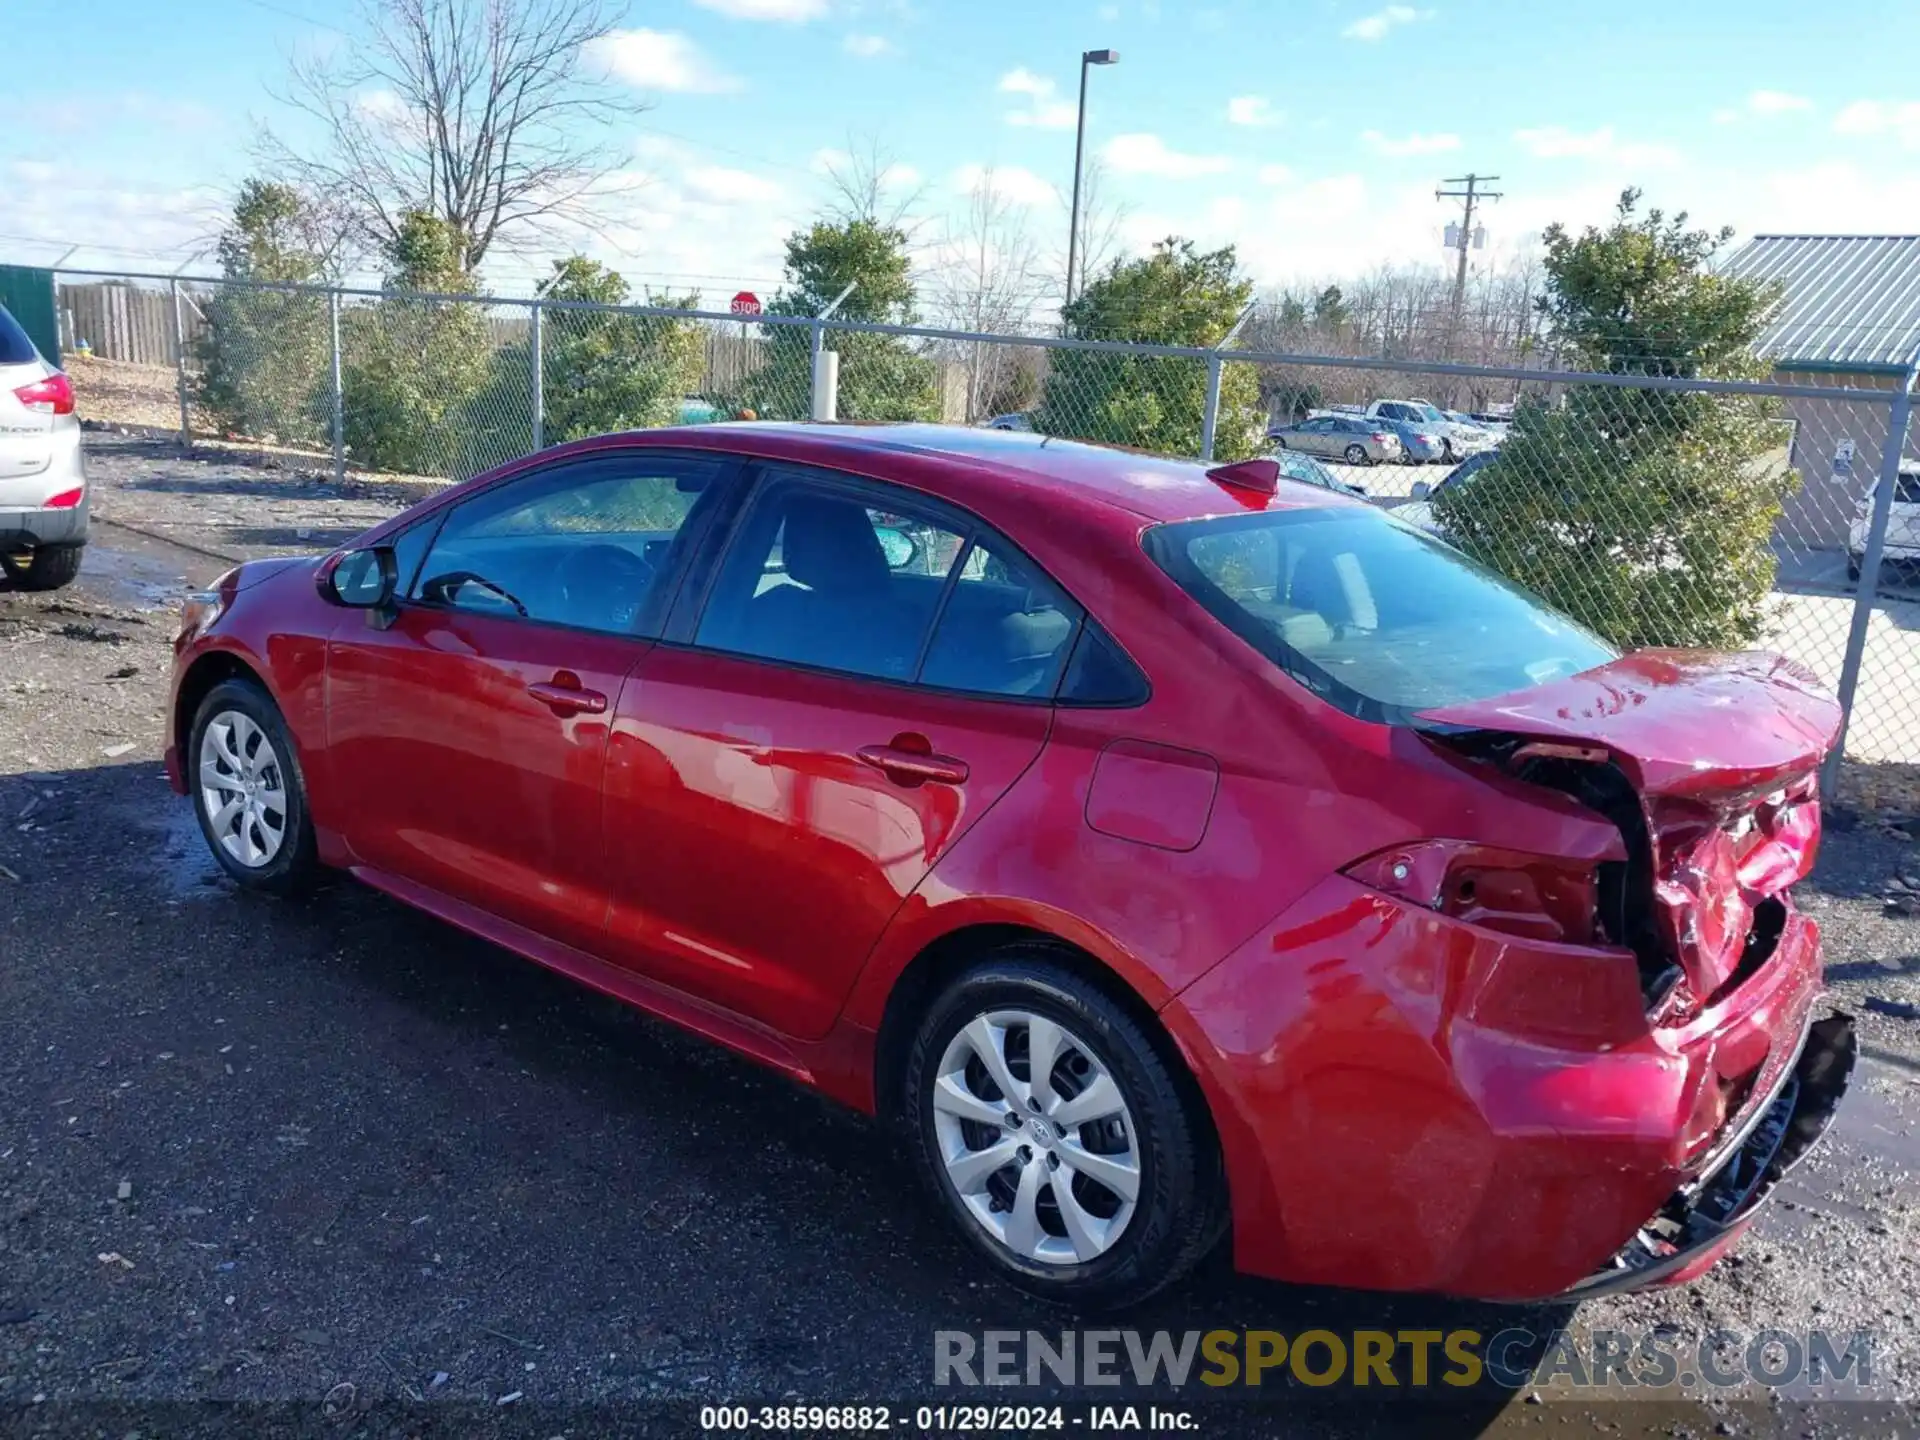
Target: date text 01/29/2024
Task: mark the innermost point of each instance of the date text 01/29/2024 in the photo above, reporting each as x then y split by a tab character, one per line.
875	1419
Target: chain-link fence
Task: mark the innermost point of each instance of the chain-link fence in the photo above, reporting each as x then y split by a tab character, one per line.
1657	509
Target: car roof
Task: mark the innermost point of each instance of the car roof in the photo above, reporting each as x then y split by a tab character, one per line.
968	464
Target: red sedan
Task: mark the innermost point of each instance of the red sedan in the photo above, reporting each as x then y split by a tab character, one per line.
1176	852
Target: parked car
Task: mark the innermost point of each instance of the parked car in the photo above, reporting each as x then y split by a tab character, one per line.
1901	545
1018	420
1345	437
1308	471
1420	444
43	482
1457	441
1199	853
1420	511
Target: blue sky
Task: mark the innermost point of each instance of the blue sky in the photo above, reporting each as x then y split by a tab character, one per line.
1309	133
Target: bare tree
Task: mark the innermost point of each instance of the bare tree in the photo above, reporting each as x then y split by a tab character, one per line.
867	182
987	277
1102	215
481	113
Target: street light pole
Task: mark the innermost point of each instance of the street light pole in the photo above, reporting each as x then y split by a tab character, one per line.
1087	57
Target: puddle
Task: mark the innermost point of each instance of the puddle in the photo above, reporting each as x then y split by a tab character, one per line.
134	572
187	871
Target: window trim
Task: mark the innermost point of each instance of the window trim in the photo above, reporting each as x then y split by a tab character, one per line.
728	469
764	473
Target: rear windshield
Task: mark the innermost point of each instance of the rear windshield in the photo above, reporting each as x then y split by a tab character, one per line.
1371	615
15	347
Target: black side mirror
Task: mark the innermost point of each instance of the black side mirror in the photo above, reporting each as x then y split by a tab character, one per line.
367	580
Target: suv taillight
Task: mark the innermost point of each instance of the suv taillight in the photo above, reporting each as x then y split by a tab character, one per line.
51	396
1535	896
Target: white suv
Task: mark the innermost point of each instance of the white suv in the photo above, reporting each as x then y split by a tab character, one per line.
1902	544
43	487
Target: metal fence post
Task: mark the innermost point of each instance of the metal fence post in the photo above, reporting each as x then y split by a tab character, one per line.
1210	417
816	345
538	375
339	395
180	364
1869	586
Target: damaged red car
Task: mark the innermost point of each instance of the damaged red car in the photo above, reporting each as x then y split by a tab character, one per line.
1182	855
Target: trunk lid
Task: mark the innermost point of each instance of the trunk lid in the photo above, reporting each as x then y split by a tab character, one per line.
1686	724
1721	752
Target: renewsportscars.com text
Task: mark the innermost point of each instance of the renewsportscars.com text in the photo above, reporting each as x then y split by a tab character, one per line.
1460	1359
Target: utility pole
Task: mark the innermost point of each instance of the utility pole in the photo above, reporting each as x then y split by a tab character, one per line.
1472	196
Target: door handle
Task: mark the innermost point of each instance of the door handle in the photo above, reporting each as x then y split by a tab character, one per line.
565	699
912	767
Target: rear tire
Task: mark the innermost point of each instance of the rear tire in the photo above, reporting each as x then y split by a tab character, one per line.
1357	455
1095	1246
1853	568
48	568
249	792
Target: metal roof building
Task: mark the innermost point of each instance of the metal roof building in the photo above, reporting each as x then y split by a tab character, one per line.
1852	302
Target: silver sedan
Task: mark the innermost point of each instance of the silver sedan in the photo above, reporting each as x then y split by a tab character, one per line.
1340	437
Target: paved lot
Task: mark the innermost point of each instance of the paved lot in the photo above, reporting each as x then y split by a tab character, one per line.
258	1152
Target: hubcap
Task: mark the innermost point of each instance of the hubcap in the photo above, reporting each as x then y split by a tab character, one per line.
243	790
1036	1137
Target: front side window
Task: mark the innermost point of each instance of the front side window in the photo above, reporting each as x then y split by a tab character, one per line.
584	546
1370	614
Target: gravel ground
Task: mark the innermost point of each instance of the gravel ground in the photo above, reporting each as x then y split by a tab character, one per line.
336	1162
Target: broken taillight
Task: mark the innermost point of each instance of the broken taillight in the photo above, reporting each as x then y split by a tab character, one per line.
1537	897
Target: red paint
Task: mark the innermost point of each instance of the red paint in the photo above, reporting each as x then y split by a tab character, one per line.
1416	1085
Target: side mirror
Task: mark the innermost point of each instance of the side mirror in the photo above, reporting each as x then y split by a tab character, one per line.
1421	490
899	547
366	580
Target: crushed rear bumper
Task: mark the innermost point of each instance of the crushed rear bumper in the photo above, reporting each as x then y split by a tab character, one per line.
1708	1214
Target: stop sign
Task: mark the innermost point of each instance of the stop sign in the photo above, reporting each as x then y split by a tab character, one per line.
745	303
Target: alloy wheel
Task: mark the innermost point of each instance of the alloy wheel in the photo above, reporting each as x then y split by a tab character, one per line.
1036	1137
243	789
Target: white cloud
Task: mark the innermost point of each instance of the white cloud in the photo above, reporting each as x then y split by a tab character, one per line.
1009	182
867	47
1764	103
1900	118
1047	111
1148	154
657	60
383	108
791	11
1376	25
1252	110
1556	142
1275	174
723	185
1415	144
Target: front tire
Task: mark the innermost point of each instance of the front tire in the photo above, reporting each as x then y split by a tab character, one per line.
48	567
1093	1183
249	792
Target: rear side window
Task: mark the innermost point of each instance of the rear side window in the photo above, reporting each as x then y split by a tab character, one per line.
15	347
1005	629
1370	614
847	577
1907	489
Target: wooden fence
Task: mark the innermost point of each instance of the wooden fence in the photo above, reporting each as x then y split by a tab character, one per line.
122	322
